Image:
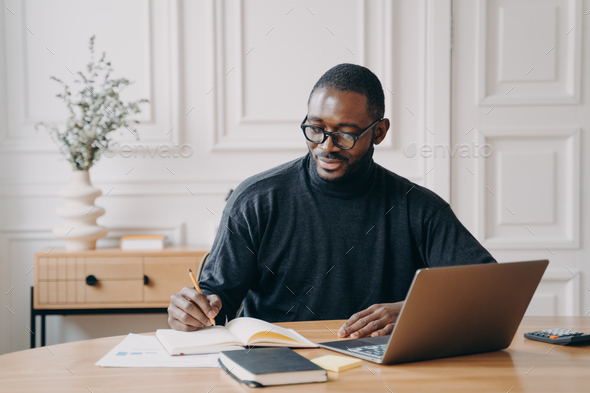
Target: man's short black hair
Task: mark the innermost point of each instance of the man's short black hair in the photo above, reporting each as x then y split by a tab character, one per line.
353	77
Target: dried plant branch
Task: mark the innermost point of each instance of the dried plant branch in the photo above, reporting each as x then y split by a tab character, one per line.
94	112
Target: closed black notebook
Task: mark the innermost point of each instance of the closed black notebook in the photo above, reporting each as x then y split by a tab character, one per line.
259	367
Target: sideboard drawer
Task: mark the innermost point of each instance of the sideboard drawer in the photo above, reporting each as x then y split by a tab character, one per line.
114	268
112	278
166	276
115	291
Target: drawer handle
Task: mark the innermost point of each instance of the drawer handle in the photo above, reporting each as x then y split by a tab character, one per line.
91	280
146	280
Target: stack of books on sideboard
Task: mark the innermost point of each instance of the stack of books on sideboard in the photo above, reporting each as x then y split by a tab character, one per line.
142	242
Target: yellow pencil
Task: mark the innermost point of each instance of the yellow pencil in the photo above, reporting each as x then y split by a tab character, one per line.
190	273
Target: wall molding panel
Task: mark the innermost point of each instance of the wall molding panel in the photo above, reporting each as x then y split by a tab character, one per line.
235	129
172	187
18	299
520	83
558	293
519	205
511	71
160	63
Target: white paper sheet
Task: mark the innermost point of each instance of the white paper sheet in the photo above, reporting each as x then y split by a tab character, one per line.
146	351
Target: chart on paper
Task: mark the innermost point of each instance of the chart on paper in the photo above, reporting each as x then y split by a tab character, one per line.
146	351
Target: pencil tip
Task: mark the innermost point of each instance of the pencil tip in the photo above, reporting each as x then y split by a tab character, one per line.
190	271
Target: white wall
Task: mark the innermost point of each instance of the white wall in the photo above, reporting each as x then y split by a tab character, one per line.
229	78
521	83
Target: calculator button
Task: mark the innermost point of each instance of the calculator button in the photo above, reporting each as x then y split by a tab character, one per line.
553	336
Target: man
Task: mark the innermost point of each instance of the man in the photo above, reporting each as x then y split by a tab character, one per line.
331	234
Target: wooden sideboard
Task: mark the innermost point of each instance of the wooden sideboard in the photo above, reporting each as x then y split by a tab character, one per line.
109	280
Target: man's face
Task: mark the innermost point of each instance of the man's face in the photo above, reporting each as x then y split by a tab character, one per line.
345	111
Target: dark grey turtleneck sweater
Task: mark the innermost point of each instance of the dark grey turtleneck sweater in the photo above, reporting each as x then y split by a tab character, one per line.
294	247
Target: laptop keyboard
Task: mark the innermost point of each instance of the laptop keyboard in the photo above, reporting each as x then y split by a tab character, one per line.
376	351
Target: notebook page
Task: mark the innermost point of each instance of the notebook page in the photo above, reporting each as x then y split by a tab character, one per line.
246	328
208	337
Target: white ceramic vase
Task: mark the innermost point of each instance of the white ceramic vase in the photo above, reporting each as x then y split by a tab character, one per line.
79	229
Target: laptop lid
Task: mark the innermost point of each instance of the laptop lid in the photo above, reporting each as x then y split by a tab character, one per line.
459	310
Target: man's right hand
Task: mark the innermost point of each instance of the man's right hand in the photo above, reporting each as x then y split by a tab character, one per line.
189	310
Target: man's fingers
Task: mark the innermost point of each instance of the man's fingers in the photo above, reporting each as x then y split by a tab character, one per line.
374	318
190	307
177	325
200	300
357	321
344	330
180	320
375	324
190	310
215	303
385	331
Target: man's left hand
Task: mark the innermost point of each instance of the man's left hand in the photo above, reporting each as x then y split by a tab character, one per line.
377	320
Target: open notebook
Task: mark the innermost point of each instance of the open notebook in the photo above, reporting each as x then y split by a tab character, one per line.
236	334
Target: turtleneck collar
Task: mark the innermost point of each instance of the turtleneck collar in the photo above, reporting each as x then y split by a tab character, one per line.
358	183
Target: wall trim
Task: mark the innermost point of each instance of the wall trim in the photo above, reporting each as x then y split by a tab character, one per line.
569	240
571	95
571	281
37	144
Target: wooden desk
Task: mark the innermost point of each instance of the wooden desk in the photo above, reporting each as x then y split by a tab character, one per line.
526	366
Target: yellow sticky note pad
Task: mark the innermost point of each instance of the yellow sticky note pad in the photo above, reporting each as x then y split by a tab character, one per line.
336	363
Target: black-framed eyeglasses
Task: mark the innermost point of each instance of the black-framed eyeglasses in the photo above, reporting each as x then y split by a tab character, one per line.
344	140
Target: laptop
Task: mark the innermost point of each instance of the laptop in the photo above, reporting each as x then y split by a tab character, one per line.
452	311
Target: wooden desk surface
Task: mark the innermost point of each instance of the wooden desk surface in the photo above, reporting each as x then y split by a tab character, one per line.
526	366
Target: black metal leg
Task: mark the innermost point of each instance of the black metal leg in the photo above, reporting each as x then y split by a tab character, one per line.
42	330
105	311
33	318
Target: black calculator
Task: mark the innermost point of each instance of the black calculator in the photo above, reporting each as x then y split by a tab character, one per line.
558	336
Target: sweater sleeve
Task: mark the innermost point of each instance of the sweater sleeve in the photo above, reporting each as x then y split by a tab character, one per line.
232	267
447	242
